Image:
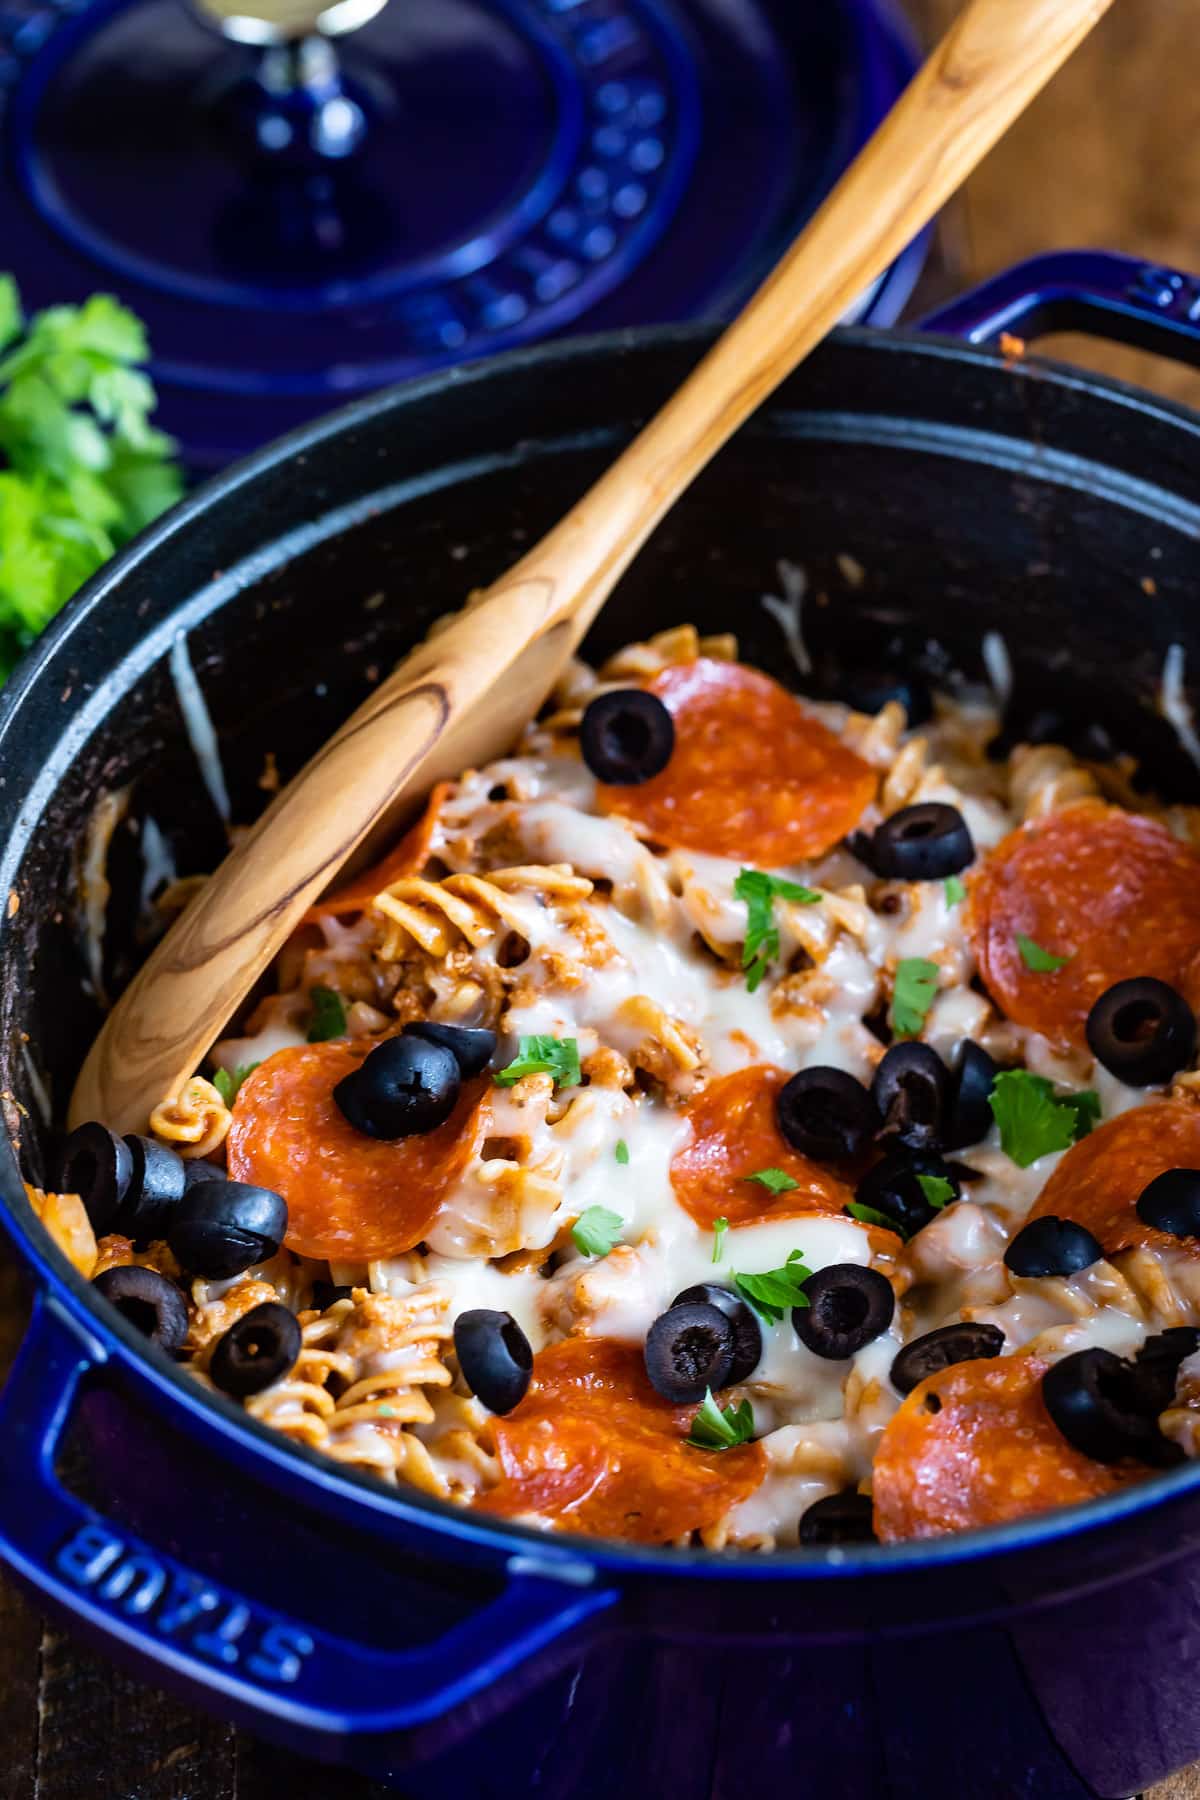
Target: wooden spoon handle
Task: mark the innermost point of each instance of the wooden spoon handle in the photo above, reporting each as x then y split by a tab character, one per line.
461	696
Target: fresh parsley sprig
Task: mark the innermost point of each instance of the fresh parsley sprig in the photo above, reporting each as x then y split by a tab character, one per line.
776	1291
597	1230
954	890
720	1227
760	891
543	1056
328	1016
81	469
937	1190
721	1427
227	1082
912	994
1034	1120
776	1181
1042	962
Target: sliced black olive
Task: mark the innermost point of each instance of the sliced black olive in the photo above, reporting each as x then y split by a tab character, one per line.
1157	1363
970	1116
688	1349
1171	1202
747	1337
149	1301
869	690
1143	1031
911	1090
405	1088
839	1519
826	1114
220	1228
155	1188
1052	1246
966	1341
626	736
495	1357
95	1164
197	1170
921	843
259	1348
472	1047
1103	1410
848	1306
893	1187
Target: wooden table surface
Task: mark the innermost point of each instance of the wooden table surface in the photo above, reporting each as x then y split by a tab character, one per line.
1109	157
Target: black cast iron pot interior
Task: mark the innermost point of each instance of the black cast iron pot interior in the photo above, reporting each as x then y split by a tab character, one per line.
930	493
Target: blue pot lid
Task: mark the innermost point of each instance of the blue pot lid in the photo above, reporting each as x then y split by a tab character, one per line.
474	174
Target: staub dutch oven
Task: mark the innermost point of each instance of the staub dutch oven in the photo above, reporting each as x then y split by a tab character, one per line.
454	1657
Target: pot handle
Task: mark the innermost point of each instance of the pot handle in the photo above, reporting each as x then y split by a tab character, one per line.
1138	303
172	1621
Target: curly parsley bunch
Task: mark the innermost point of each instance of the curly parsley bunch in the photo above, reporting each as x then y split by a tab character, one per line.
81	468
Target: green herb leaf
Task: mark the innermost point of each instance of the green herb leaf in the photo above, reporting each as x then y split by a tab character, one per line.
937	1190
543	1056
867	1215
10	310
622	1151
760	892
227	1083
1085	1104
776	1291
1042	962
954	890
1034	1120
596	1230
81	469
912	996
720	1227
776	1180
328	1015
721	1427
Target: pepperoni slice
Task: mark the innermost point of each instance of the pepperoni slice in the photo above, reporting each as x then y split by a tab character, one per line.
734	1134
1098	1181
1112	891
752	775
985	1451
408	857
595	1449
349	1196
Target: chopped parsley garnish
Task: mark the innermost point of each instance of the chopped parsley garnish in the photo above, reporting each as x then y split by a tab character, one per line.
777	1181
328	1016
721	1427
760	892
720	1227
937	1190
622	1151
1034	1120
1042	962
776	1291
596	1230
954	890
867	1215
912	995
227	1084
543	1056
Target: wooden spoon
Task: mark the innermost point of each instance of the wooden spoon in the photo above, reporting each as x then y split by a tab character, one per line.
461	696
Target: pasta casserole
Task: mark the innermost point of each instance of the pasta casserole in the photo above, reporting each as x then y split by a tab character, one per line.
728	1119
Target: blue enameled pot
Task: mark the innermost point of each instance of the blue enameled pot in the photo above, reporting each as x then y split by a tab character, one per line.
1050	1659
